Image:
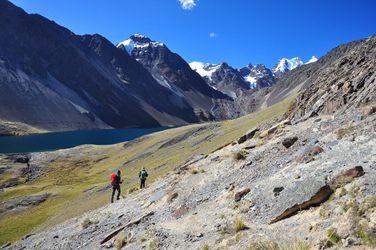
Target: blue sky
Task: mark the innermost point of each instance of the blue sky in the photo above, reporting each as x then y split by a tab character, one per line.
236	31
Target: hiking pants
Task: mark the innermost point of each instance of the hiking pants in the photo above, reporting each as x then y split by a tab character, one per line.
142	183
114	189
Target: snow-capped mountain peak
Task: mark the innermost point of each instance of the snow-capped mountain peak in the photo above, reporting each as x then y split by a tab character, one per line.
285	64
137	41
204	69
312	60
257	75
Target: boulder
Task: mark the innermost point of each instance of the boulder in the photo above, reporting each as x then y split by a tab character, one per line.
249	135
319	197
239	195
317	150
277	190
368	110
179	212
306	155
288	142
347	88
323	193
273	129
21	159
346	177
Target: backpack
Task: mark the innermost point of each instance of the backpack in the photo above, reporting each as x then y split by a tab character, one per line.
143	174
114	178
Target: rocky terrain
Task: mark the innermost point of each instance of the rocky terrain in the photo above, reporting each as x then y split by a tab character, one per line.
78	177
342	79
172	72
305	185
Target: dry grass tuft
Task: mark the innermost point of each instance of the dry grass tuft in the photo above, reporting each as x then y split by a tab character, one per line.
86	223
195	170
239	225
121	240
172	196
343	132
272	245
153	244
132	190
333	236
240	155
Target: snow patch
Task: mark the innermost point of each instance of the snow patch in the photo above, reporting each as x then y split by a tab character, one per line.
312	60
285	64
251	80
141	42
204	69
79	108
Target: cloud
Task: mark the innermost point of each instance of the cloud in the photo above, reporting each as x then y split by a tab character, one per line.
212	35
188	4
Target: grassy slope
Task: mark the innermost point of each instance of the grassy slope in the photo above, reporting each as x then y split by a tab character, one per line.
18	128
74	170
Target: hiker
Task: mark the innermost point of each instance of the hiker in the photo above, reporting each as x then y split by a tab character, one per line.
115	182
142	175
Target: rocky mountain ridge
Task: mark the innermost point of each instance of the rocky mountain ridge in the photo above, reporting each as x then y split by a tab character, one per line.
56	80
255	76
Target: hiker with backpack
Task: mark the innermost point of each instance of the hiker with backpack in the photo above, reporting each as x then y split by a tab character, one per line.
115	182
142	175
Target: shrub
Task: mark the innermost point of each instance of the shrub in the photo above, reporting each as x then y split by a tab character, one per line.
239	225
333	235
296	245
194	171
342	192
263	245
272	245
154	244
240	155
121	240
367	238
342	132
133	189
171	197
205	247
86	223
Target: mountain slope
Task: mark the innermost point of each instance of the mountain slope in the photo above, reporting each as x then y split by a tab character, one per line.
62	172
172	72
263	190
341	80
55	80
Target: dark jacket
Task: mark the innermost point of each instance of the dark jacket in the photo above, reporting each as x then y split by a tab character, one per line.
143	174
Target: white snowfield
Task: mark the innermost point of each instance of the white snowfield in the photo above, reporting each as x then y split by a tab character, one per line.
312	60
285	64
204	69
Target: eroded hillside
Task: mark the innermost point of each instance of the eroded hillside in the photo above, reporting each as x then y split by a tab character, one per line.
298	186
78	178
